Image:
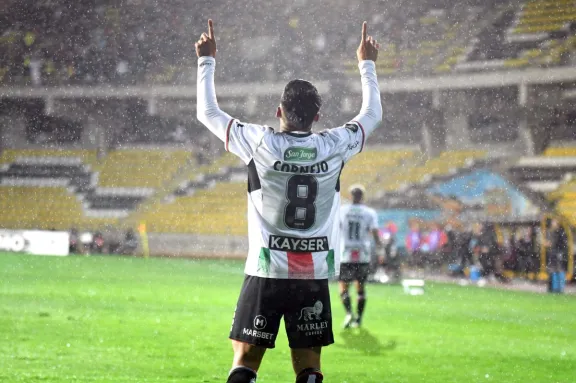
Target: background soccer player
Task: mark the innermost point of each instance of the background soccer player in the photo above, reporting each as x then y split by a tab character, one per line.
293	204
358	222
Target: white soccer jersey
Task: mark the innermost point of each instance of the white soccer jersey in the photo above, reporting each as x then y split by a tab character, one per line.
356	224
293	182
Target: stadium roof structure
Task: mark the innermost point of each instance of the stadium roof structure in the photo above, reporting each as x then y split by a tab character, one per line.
522	79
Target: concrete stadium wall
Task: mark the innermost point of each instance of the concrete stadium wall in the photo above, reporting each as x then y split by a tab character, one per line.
197	246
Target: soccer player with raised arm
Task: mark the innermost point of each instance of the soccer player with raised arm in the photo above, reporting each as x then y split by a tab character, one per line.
358	222
293	207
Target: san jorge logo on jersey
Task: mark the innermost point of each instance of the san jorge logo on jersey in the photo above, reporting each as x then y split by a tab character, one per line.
300	154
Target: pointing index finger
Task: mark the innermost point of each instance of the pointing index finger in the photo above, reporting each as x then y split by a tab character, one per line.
364	31
210	29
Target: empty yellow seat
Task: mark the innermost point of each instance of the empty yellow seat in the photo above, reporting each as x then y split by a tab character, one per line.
140	168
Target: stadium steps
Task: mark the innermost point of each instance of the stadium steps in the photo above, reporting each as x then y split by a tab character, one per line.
372	166
553	196
220	210
45	208
215	205
124	173
88	157
564	198
422	171
189	171
140	168
436	37
450	56
43	204
217	210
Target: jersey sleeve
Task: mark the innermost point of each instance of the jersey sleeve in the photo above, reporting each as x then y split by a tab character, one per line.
342	215
239	138
351	137
242	139
373	220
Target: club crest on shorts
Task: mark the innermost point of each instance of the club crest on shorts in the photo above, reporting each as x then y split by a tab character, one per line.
311	313
259	322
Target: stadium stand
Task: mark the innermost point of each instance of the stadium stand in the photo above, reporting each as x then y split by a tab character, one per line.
55	177
205	212
447	163
60	209
21	210
69	168
426	37
537	33
552	174
541	173
370	166
139	168
96	193
108	43
213	203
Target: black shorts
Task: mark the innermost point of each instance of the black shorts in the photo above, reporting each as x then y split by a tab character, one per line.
350	272
304	303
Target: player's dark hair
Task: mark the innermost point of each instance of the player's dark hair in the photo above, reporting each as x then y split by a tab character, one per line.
300	103
357	195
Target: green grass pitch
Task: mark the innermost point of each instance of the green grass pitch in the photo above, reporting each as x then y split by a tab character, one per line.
113	319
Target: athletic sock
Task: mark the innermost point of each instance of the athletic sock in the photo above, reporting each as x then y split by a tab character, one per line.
346	302
361	305
242	374
310	375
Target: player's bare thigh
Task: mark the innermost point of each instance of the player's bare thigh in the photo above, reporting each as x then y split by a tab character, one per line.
359	286
303	358
343	286
247	355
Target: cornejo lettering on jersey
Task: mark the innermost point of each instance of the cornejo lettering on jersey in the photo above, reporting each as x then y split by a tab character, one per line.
322	167
293	181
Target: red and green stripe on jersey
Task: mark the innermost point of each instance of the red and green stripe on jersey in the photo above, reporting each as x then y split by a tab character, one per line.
301	265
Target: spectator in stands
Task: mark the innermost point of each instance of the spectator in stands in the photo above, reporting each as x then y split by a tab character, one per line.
527	261
487	251
435	240
130	243
510	250
450	248
73	248
391	261
98	243
465	248
414	244
556	244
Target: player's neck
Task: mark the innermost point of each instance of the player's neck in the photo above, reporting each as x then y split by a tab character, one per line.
289	129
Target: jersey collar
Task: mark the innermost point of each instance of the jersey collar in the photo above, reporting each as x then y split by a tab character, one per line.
298	134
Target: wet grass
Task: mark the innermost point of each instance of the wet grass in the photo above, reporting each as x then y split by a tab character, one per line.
112	319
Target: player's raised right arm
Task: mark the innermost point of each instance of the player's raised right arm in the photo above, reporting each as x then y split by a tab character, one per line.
239	138
370	114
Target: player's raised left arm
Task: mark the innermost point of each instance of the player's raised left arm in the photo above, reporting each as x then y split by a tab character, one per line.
370	114
208	112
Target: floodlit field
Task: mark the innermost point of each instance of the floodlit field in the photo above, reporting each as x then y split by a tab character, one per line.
111	319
